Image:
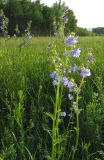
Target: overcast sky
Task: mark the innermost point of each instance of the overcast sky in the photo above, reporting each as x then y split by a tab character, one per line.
89	13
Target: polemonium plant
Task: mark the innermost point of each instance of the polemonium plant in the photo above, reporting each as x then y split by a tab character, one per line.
65	75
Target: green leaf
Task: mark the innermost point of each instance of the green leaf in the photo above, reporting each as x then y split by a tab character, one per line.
59	140
47	130
50	115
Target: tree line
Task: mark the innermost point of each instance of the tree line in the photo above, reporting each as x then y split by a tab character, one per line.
16	16
41	17
98	30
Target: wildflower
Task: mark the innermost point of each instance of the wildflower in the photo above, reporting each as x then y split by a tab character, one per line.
70	85
63	114
76	53
55	82
70	96
64	54
91	59
85	72
52	75
75	68
71	40
65	81
69	70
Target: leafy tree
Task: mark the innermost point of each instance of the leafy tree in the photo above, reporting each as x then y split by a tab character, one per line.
13	10
72	22
3	24
20	12
83	32
98	30
47	24
64	16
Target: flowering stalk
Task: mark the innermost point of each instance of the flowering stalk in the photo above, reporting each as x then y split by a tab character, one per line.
63	76
60	19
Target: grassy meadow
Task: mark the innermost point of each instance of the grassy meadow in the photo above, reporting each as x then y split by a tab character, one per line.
26	93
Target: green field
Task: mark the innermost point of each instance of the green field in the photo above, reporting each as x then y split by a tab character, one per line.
26	93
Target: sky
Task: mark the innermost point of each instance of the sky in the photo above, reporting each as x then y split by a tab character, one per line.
89	13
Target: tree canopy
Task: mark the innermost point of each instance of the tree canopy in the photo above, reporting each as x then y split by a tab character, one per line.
20	12
98	30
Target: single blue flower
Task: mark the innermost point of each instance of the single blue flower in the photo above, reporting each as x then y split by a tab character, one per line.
71	40
55	81
63	114
64	54
75	68
52	75
70	85
69	70
65	81
76	53
85	72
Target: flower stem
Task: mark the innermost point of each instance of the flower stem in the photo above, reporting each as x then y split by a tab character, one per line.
77	128
77	119
55	129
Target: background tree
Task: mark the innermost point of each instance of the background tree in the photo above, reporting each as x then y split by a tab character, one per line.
72	22
47	24
98	30
83	32
20	12
63	16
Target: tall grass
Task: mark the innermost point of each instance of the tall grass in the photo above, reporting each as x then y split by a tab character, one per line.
26	93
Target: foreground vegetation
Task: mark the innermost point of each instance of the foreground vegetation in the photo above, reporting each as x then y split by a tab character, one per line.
27	93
